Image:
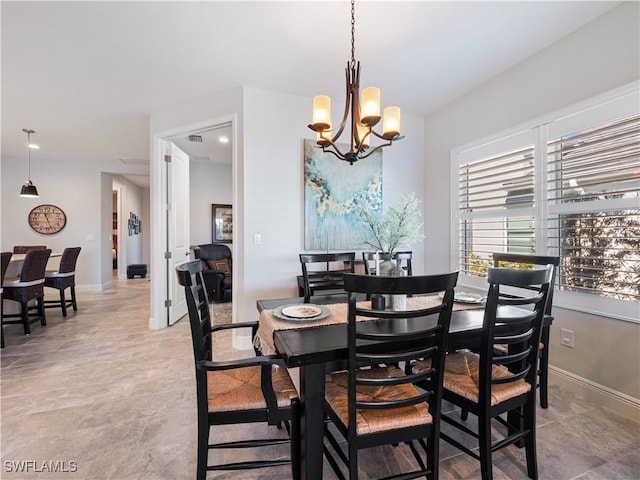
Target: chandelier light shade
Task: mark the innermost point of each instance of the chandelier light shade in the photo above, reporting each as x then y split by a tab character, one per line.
29	190
361	114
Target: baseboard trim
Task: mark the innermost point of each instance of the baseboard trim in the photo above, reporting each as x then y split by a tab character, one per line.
619	402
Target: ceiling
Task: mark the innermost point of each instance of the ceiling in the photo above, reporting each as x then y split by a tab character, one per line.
87	75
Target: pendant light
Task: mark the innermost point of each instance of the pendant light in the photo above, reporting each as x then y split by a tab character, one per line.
361	114
29	190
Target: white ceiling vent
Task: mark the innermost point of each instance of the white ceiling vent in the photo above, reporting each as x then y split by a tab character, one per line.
195	138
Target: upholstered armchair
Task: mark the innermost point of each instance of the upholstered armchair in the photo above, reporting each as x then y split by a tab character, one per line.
216	270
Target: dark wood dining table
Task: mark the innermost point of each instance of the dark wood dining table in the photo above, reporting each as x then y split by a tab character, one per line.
316	351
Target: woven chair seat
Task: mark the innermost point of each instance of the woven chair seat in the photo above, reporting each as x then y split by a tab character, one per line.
239	389
467	385
373	421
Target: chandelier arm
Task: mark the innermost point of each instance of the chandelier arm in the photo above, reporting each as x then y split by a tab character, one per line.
337	154
382	137
375	149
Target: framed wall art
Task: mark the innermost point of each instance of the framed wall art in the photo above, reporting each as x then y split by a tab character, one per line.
332	189
222	223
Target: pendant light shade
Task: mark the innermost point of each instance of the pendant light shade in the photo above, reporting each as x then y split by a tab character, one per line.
29	190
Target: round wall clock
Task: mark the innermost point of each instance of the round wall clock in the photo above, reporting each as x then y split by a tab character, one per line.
47	219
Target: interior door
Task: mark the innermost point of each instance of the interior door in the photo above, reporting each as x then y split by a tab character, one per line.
177	194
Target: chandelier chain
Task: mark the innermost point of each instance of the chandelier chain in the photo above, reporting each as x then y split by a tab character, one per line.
353	32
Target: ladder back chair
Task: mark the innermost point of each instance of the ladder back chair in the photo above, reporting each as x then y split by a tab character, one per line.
375	402
63	278
489	385
521	260
403	260
248	390
6	258
326	273
29	286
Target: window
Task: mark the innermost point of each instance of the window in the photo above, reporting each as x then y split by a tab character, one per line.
567	185
593	187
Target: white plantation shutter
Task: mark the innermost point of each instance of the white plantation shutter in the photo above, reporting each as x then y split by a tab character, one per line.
568	186
594	210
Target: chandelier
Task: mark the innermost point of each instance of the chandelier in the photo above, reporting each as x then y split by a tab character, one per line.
364	114
29	190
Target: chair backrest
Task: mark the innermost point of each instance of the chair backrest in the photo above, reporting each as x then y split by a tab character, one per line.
328	267
190	277
520	260
69	259
369	259
27	248
35	265
215	251
405	336
516	322
6	258
403	260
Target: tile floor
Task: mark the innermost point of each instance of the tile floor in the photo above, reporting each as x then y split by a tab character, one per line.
101	396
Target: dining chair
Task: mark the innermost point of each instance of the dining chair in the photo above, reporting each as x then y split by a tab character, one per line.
527	261
489	385
236	391
63	278
324	271
403	260
373	402
29	286
27	248
4	264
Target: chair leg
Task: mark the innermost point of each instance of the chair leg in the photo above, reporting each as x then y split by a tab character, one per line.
530	439
73	298
353	462
1	322
203	451
43	318
24	315
63	303
544	369
484	438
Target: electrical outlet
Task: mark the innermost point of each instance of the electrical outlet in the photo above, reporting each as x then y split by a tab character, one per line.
566	337
257	239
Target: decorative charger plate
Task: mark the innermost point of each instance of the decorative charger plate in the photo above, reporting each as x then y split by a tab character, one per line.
301	312
465	297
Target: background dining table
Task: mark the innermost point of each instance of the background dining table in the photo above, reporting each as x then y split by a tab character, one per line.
323	348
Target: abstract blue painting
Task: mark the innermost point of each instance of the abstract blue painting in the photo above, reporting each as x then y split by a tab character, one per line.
332	188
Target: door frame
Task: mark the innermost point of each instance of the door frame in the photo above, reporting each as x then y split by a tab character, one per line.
158	224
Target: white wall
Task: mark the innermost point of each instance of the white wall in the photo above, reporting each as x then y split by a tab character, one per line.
78	188
274	190
208	183
595	59
269	178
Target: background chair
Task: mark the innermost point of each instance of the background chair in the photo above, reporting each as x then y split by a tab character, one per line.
324	272
27	248
62	279
30	286
217	270
4	264
520	260
487	385
248	390
403	260
374	402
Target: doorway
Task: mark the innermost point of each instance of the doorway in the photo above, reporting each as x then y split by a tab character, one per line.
200	216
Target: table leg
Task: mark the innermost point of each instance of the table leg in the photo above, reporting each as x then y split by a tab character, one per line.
312	421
